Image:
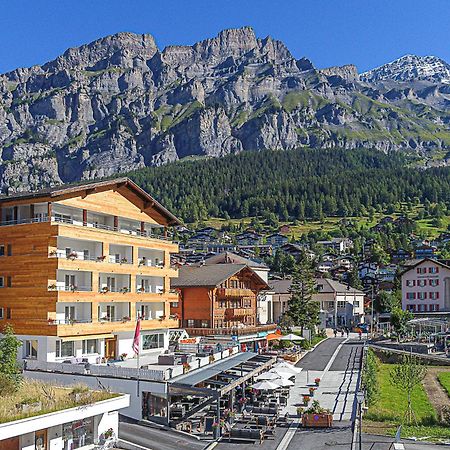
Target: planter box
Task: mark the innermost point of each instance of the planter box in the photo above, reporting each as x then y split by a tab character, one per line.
317	420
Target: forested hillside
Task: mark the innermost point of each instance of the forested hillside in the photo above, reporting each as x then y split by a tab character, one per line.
294	184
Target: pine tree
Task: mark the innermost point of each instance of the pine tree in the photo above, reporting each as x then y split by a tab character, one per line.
303	310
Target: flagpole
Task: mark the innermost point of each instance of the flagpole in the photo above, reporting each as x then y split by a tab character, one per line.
138	373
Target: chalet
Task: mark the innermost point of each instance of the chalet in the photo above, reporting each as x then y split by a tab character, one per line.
220	301
400	255
249	238
285	229
276	240
340	245
424	251
297	250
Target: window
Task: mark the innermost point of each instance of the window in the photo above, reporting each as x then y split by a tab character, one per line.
341	304
205	323
2	250
8	281
421	295
410	295
421	270
1	313
433	270
2	282
434	282
150	341
8	313
434	295
31	349
9	250
190	323
174	304
422	283
356	303
411	307
431	308
79	433
90	346
410	283
65	349
85	254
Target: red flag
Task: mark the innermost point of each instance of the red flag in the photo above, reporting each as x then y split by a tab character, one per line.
137	335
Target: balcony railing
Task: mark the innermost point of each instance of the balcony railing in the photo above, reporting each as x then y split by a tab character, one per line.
146	234
148	263
112	259
239	312
70	288
150	290
236	331
80	256
68	321
234	292
106	289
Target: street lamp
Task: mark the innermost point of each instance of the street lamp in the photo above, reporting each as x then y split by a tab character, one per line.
360	401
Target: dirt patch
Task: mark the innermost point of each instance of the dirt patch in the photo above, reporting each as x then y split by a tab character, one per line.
435	392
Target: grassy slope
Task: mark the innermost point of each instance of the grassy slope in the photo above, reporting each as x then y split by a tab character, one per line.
387	412
331	224
444	379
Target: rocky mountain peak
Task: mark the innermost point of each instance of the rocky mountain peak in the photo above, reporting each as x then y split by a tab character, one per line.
118	49
411	68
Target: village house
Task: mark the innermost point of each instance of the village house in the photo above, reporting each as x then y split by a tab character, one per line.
277	240
426	287
337	301
339	245
80	264
220	300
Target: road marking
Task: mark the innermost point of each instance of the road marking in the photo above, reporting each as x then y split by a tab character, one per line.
333	357
287	438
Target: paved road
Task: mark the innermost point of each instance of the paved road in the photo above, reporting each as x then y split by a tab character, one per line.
157	439
319	357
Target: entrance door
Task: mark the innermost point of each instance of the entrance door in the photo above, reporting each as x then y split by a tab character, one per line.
40	440
110	348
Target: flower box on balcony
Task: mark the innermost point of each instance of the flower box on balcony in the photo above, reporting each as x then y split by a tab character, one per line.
101	258
126	319
72	256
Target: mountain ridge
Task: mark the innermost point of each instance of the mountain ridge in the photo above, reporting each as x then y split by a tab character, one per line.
120	103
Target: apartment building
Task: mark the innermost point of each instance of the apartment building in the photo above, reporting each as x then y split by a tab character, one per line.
426	287
220	300
79	264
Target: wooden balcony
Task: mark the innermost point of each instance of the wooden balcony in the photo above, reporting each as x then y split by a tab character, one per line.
239	312
234	292
234	331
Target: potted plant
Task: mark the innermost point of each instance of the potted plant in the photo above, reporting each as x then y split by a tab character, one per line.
123	356
141	289
300	410
104	290
311	391
72	255
306	399
53	252
316	416
186	367
317	381
126	319
51	321
101	258
52	287
124	290
73	288
123	261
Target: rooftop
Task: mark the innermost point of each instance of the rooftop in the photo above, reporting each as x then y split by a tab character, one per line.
35	398
232	258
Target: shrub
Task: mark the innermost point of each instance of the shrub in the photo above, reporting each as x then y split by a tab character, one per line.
369	377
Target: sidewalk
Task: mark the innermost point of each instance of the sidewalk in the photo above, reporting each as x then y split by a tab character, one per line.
335	392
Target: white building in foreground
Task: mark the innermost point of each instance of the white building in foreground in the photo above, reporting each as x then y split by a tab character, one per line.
81	427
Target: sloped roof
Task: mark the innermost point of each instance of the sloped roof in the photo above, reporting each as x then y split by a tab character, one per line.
75	189
209	275
232	258
329	287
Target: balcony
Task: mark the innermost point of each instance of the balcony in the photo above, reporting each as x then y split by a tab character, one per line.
73	216
234	292
71	281
235	331
120	254
150	311
109	282
149	285
114	312
77	249
150	258
239	312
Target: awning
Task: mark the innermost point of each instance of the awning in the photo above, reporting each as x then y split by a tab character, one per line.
90	336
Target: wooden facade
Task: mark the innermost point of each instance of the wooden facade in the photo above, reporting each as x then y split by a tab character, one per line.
31	261
230	304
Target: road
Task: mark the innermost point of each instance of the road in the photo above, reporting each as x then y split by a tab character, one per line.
157	439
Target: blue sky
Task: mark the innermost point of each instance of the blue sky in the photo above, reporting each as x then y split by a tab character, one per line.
367	33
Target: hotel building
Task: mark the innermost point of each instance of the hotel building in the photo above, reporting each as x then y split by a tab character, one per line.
79	264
